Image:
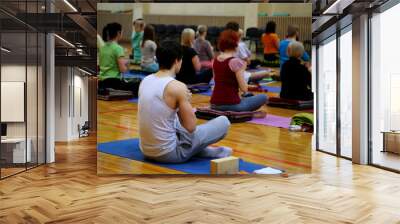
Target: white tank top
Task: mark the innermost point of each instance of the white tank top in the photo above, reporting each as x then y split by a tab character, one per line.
157	121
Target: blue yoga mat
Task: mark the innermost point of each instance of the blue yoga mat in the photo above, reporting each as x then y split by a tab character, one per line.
133	100
272	89
130	149
134	74
207	93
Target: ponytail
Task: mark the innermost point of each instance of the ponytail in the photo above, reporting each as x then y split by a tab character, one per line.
105	33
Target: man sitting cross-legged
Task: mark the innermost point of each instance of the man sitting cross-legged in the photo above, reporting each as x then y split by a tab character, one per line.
167	123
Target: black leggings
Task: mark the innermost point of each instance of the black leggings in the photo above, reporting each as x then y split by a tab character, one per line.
270	57
203	76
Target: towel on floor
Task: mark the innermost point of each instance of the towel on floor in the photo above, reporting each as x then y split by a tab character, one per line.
305	120
302	118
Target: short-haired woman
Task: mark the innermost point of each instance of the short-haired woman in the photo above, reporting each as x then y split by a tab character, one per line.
191	72
203	46
149	47
229	77
295	77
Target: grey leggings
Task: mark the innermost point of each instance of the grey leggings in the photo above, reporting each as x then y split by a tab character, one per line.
190	144
251	103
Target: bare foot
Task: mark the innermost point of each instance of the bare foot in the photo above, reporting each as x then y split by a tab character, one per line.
216	152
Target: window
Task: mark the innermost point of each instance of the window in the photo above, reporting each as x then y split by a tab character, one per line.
346	93
385	89
327	96
22	78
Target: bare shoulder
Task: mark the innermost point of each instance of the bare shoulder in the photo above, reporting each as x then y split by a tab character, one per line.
176	88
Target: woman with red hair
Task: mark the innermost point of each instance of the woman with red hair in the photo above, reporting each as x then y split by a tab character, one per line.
229	77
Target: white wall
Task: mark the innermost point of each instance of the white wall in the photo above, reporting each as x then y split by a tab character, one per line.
14	73
71	96
17	73
82	82
248	10
80	110
61	103
136	8
116	7
294	9
33	126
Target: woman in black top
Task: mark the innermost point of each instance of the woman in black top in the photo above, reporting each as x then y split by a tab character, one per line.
295	77
191	72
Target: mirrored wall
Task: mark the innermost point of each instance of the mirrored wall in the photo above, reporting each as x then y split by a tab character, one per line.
22	77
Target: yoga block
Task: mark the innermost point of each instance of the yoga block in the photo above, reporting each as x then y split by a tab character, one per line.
228	165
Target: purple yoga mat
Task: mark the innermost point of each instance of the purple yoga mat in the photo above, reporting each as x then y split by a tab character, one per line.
273	120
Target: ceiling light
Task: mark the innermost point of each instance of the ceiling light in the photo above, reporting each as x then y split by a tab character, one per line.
5	50
86	72
333	6
64	40
70	5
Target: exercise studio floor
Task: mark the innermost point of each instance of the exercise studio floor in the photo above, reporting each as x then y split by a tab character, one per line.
269	146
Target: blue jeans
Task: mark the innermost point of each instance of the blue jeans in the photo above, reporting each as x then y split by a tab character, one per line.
190	144
251	103
153	67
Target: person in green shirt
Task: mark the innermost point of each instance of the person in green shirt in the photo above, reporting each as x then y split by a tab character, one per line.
137	38
111	60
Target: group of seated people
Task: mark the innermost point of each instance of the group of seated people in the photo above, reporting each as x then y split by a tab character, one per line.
274	48
201	63
167	122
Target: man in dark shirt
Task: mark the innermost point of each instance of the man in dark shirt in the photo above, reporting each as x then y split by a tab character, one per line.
295	77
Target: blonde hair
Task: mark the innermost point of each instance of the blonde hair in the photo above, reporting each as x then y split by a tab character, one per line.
187	37
240	33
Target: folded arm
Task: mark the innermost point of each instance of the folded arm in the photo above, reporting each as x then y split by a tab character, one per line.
185	110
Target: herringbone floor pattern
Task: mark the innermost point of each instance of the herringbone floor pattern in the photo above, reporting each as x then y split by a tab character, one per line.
69	191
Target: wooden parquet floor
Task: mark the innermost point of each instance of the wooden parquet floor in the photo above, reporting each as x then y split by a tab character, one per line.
69	191
270	146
